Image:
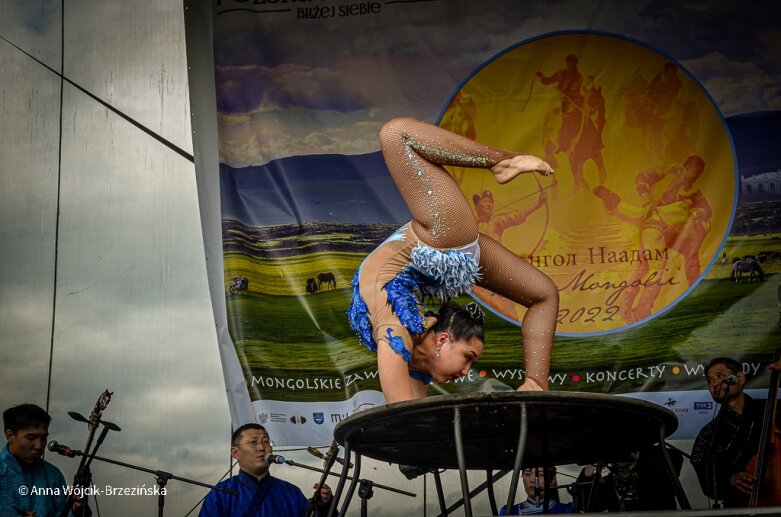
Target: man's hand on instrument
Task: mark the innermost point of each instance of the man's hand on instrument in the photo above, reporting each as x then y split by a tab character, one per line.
589	470
742	481
325	493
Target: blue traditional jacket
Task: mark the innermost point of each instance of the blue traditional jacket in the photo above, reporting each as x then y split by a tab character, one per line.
39	488
283	499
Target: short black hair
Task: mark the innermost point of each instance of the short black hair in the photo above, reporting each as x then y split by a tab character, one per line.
25	416
237	433
731	364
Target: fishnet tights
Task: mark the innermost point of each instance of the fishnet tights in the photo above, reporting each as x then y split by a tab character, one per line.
414	153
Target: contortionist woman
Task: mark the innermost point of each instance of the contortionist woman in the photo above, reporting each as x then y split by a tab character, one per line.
441	252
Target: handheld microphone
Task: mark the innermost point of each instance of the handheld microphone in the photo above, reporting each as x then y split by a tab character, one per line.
274	458
64	450
730	381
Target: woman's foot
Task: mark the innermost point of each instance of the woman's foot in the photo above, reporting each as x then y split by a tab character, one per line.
509	168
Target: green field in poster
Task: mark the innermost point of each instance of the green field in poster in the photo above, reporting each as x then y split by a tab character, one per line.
307	335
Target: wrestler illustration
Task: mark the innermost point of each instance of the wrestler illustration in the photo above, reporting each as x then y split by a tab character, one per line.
673	215
568	114
442	252
494	223
588	142
575	127
658	108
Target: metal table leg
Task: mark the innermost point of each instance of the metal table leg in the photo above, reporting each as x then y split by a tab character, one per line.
461	460
342	479
680	495
520	449
491	497
482	486
440	494
353	483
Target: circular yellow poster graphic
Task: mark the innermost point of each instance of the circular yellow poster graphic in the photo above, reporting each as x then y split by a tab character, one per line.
645	185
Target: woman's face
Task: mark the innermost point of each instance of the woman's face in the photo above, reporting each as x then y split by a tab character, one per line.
455	357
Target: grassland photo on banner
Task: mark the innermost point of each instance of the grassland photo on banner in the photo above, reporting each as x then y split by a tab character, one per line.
660	227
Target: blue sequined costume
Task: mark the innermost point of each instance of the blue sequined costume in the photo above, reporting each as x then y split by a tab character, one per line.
391	281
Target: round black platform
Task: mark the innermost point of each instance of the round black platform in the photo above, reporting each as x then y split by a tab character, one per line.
563	428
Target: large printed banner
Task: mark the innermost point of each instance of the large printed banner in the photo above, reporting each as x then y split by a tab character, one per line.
660	226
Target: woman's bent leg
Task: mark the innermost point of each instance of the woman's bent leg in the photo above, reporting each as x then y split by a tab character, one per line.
508	275
415	152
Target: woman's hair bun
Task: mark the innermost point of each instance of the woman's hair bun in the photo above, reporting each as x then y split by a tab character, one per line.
475	312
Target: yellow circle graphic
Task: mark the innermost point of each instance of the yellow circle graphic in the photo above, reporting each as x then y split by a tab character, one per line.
644	190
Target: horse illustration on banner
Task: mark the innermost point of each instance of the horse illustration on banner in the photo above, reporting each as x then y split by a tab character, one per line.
750	267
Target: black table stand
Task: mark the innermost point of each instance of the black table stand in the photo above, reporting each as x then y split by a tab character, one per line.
506	431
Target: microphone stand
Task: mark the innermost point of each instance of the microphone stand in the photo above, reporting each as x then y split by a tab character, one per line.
594	488
712	450
83	476
333	452
161	477
376	485
365	491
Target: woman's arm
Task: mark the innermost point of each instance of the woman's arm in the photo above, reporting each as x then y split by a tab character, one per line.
394	374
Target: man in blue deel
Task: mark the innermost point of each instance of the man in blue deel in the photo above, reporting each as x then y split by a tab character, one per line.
259	494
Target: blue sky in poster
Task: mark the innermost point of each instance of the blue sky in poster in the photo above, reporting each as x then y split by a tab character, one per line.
327	188
329	91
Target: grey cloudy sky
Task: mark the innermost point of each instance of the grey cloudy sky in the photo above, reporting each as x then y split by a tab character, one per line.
357	72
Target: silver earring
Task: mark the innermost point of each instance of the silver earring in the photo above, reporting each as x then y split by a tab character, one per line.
438	348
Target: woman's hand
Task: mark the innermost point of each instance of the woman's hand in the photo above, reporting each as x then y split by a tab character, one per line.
529	385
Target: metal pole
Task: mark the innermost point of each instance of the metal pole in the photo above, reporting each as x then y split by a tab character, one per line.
519	451
440	494
353	483
472	493
461	461
683	502
342	478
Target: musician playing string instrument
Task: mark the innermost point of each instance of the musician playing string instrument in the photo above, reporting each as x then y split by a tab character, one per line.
725	445
442	253
30	485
